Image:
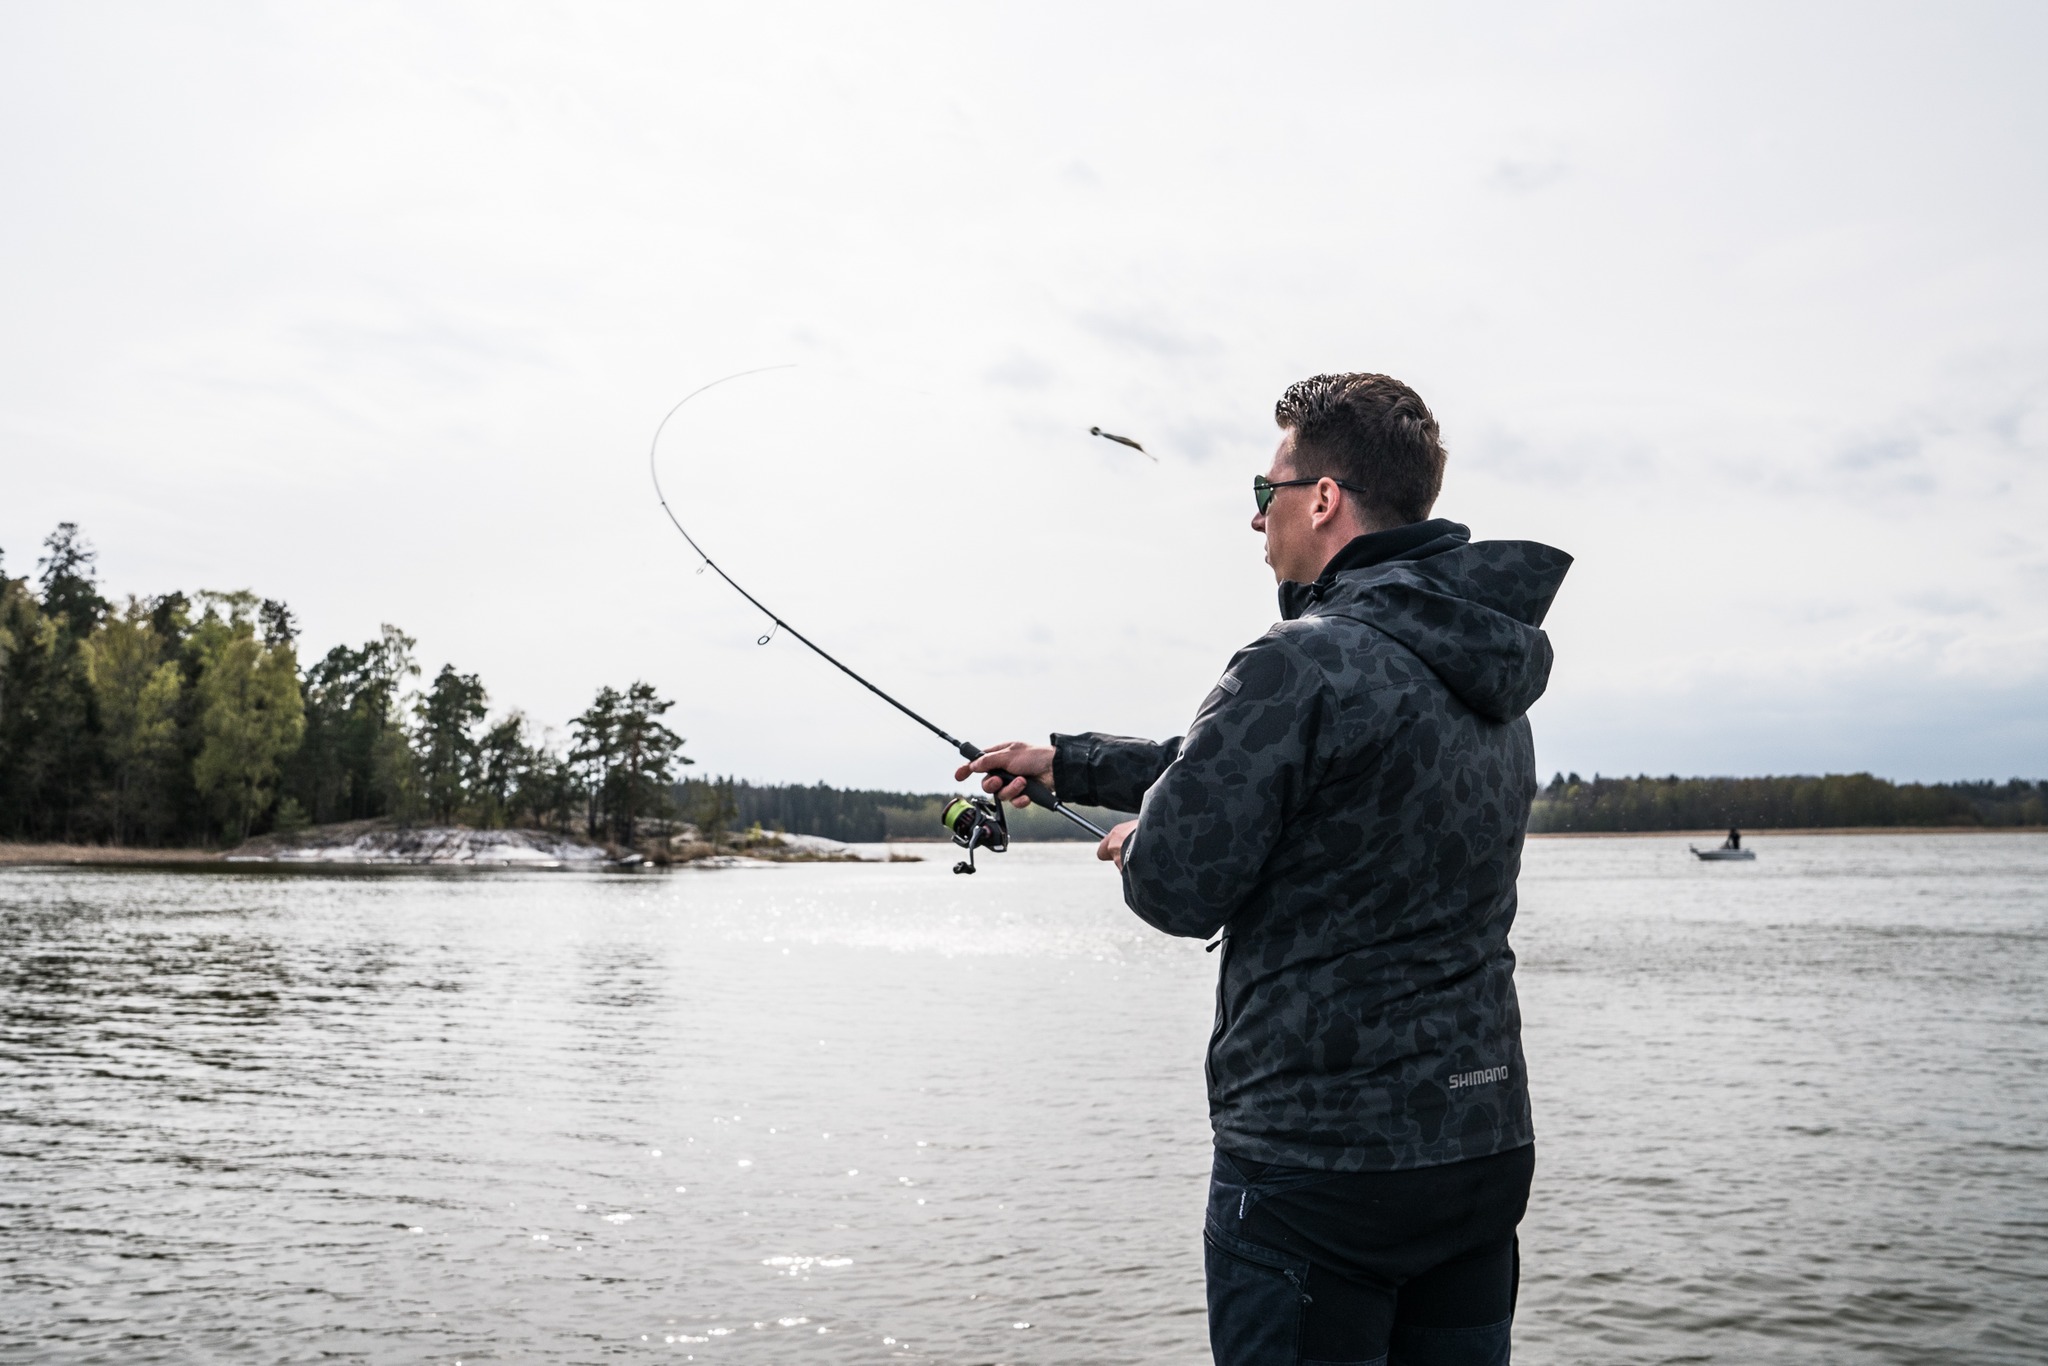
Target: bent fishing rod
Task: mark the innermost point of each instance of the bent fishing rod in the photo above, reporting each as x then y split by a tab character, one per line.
975	821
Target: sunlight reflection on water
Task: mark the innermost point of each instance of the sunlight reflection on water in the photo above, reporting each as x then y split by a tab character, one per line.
1786	1111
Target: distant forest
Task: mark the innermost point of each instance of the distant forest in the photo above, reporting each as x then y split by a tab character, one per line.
188	720
1570	803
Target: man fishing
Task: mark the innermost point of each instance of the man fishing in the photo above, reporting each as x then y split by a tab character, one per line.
1348	809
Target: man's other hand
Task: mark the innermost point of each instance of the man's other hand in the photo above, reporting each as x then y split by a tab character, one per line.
1012	756
1111	850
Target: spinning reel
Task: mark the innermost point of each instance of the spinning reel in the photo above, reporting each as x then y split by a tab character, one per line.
976	822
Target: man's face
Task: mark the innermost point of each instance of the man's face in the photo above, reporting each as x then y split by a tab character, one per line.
1290	539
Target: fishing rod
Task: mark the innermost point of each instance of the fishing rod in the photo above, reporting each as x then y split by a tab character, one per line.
975	821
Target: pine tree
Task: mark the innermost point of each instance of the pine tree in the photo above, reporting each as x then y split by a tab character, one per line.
594	752
446	740
648	754
505	763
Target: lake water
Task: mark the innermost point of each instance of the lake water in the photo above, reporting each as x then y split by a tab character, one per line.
1792	1111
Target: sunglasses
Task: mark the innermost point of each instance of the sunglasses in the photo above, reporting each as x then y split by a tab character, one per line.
1263	488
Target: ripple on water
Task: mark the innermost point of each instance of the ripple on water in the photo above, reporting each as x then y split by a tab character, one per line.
1790	1115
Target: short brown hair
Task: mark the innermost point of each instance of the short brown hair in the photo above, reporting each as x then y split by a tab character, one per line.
1372	432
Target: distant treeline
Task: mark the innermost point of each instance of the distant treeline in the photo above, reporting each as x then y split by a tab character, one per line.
861	816
1840	799
187	719
1568	803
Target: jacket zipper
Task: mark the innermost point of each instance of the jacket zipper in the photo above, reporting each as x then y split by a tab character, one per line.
1222	1022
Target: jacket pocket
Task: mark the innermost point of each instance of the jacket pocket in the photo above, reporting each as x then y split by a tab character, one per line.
1256	1301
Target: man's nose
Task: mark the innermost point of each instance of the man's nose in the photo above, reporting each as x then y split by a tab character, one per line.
1258	521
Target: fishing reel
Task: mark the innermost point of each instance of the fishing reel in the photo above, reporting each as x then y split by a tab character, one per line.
976	822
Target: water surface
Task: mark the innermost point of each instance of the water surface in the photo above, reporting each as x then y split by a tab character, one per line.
1794	1111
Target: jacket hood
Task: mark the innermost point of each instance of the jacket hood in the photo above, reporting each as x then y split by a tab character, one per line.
1470	610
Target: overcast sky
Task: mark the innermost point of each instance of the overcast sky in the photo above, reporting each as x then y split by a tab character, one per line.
374	309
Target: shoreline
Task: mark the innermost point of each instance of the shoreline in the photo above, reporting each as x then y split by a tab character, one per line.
1761	832
17	855
14	855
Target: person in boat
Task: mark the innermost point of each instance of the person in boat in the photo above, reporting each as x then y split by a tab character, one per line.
1348	810
1734	840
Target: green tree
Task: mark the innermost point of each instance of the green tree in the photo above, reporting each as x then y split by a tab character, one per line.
356	762
505	764
715	808
27	638
187	813
70	593
446	741
278	624
551	789
626	759
395	772
594	752
647	755
136	684
251	712
51	762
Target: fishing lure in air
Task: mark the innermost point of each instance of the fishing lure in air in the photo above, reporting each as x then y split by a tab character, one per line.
1123	441
975	821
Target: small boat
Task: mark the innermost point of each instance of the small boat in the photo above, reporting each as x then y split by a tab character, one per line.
1723	854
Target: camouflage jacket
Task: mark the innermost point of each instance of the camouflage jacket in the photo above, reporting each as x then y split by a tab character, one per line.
1348	808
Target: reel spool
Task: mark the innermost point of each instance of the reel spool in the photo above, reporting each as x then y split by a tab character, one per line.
976	822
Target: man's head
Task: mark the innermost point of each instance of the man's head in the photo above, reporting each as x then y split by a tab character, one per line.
1370	444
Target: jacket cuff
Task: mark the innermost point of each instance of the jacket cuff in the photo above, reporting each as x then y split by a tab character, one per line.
1073	771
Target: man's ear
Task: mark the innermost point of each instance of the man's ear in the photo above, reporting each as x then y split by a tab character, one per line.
1330	503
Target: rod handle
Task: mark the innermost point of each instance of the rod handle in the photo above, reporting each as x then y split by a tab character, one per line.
1037	792
1041	795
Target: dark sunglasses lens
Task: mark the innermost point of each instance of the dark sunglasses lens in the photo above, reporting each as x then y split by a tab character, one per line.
1263	493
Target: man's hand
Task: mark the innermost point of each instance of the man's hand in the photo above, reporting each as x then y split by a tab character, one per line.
1012	756
1111	850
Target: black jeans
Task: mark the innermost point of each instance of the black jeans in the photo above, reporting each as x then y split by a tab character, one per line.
1408	1268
